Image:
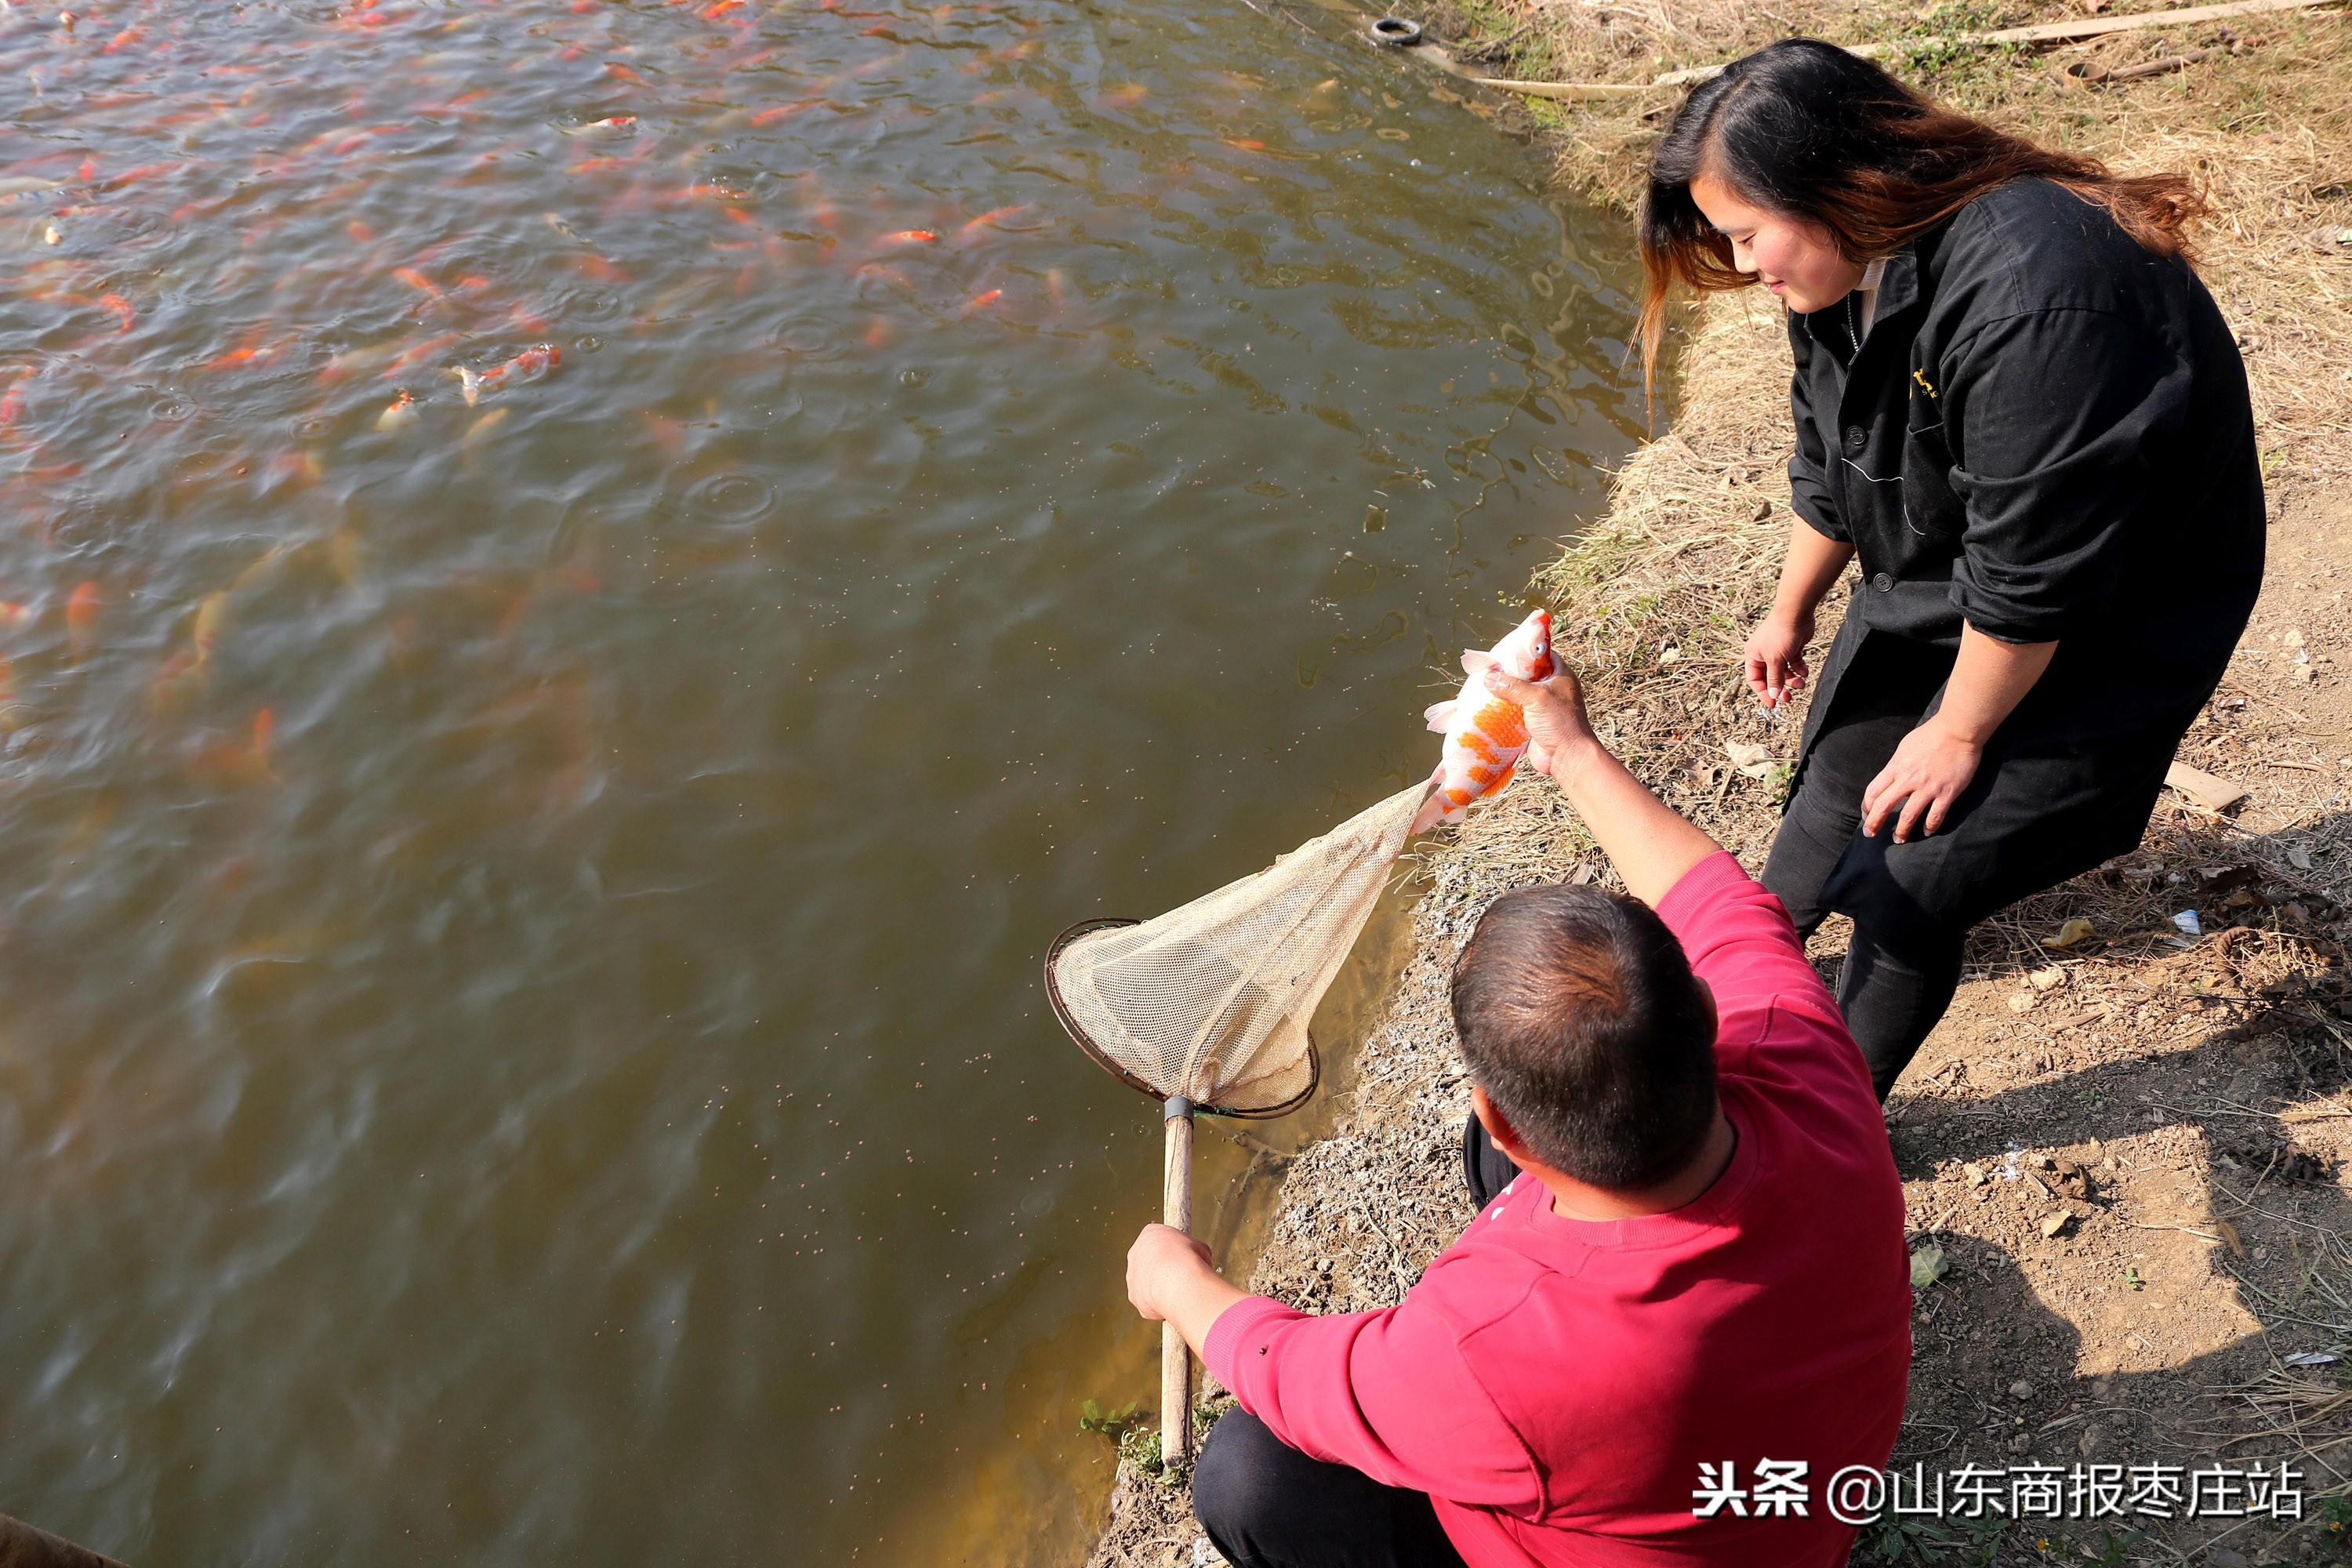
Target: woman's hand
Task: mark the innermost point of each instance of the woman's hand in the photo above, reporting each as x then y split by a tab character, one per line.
1775	656
1924	777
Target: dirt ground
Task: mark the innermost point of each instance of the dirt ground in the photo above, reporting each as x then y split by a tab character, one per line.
2127	1152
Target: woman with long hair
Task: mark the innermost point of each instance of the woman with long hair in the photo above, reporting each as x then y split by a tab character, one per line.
2021	413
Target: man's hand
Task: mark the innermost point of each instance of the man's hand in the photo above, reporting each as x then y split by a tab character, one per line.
1162	1261
1554	709
1775	656
1924	777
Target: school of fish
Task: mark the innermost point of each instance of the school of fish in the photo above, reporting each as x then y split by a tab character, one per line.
134	127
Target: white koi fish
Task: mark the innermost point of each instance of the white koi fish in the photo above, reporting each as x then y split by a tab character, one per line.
529	364
1486	736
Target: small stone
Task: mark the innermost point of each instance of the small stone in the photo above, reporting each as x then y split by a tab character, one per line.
2051	1223
2022	1444
2094	1441
1763	509
2047	977
1974	1173
2020	1389
2222	1557
2022	1002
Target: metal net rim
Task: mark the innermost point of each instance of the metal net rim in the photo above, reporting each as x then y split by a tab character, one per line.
1079	1038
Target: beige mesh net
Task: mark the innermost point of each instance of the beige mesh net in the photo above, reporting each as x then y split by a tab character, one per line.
1212	1001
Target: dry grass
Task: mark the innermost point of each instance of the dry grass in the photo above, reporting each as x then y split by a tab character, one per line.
2266	128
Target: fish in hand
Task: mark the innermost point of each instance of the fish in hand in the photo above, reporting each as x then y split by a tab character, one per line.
1486	736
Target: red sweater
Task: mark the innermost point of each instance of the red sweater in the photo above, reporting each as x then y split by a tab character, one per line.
1555	1384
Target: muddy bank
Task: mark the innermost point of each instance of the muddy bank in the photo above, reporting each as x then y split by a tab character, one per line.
2125	1158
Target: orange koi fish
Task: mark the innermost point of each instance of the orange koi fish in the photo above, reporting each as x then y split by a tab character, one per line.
418	352
610	126
981	302
416	280
81	617
397	413
226	762
911	236
525	366
1485	735
122	309
988	219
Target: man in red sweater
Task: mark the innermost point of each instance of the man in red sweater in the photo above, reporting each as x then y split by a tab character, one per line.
1687	1312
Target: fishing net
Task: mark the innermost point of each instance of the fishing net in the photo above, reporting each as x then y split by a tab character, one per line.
1207	1007
1211	1003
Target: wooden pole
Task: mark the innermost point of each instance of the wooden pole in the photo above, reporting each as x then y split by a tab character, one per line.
1175	1357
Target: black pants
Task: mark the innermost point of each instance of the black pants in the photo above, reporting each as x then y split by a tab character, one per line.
1267	1505
1904	964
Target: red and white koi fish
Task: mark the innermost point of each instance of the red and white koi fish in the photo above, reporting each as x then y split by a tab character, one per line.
610	126
1486	736
526	366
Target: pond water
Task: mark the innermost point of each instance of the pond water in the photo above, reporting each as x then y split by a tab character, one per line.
520	892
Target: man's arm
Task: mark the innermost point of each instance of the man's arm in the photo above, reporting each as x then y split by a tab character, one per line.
1387	1392
1172	1278
1649	843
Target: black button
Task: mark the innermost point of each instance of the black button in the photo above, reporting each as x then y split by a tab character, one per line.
1856	438
1883	583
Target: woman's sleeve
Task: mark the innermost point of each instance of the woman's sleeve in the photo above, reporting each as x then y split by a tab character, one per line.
2053	417
1809	486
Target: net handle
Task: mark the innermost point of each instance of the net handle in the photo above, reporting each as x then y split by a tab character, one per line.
1175	1356
1079	1038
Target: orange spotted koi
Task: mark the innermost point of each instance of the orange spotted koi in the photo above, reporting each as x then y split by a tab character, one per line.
1485	735
526	366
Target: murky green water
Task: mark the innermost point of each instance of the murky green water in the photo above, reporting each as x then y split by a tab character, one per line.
519	921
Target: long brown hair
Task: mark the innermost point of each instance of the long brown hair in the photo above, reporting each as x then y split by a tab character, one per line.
1805	128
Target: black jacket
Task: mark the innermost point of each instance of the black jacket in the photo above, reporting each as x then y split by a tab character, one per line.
2046	433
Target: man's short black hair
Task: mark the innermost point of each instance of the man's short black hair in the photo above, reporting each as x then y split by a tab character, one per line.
1581	1018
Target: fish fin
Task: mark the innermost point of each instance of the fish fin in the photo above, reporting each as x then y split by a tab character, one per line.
1476	663
1440	714
1432	810
468	383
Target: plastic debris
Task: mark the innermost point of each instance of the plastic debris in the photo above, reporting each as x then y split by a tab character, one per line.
2068	934
2214	794
2312	1358
2186	924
